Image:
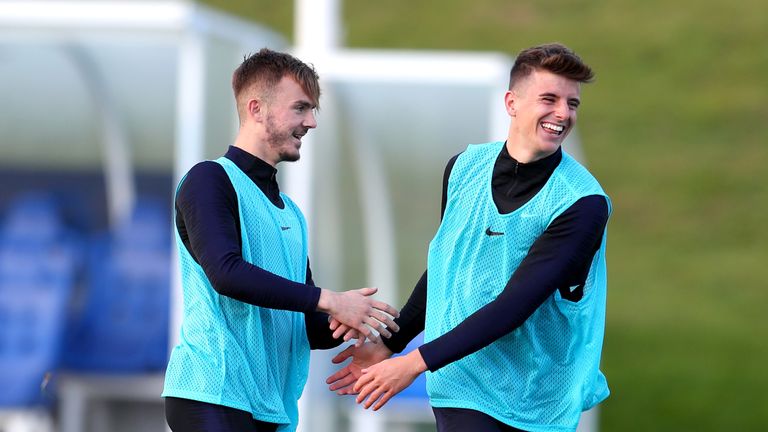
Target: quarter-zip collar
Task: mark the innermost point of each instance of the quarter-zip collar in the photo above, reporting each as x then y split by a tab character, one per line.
514	183
260	172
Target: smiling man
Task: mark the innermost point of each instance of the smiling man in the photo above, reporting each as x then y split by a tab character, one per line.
251	310
513	299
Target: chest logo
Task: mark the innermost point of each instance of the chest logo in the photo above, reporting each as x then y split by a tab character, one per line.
283	228
490	233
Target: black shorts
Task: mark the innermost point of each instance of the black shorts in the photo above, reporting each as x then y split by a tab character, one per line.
185	415
462	420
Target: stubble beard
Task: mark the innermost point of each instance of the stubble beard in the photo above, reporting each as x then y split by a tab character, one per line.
281	142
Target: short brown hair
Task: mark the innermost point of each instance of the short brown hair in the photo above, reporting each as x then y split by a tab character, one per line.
553	57
266	68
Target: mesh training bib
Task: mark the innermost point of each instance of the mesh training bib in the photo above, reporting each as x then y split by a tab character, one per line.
542	375
234	354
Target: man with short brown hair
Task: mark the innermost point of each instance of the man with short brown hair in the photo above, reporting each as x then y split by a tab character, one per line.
251	310
513	300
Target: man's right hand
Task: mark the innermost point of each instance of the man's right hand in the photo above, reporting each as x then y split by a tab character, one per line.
359	311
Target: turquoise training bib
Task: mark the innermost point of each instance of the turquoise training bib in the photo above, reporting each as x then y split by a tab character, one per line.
541	376
235	354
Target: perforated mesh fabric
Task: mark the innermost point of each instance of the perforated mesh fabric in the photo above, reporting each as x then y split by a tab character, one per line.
235	354
542	375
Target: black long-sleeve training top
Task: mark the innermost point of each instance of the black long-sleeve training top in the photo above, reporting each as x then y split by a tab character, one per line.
208	221
560	258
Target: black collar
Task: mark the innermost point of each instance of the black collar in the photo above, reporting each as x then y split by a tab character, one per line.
257	169
260	172
520	181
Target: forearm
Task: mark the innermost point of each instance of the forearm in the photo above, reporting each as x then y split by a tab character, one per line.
559	259
507	312
411	320
319	333
240	280
208	222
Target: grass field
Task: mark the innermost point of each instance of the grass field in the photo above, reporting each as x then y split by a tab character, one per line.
674	128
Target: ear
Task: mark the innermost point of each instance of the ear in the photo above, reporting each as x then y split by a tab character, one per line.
509	103
255	109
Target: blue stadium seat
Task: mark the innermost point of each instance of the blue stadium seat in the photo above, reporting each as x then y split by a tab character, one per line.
123	327
38	258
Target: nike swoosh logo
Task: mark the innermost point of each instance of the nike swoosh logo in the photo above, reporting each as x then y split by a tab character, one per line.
489	233
285	228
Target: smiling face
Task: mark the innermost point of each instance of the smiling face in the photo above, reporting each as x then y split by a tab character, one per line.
288	115
543	109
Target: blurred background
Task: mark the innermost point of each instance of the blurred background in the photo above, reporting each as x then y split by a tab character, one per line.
99	121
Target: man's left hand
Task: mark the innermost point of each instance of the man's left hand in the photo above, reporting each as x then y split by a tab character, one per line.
380	382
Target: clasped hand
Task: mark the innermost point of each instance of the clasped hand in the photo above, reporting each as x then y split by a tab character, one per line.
356	315
372	375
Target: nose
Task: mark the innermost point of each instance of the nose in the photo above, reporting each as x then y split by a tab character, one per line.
562	110
310	121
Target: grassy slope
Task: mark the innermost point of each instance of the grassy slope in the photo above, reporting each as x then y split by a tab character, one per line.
674	128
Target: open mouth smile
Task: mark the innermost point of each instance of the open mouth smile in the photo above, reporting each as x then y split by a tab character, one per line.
553	128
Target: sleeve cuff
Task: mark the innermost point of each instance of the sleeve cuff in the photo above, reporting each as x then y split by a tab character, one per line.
314	299
430	358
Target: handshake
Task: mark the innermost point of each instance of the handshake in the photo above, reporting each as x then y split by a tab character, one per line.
355	314
371	375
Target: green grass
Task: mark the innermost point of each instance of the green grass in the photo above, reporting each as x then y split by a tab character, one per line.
674	128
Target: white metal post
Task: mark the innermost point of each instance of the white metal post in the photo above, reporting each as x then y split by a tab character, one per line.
316	24
190	133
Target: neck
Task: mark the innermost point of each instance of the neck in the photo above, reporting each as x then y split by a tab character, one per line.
247	142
